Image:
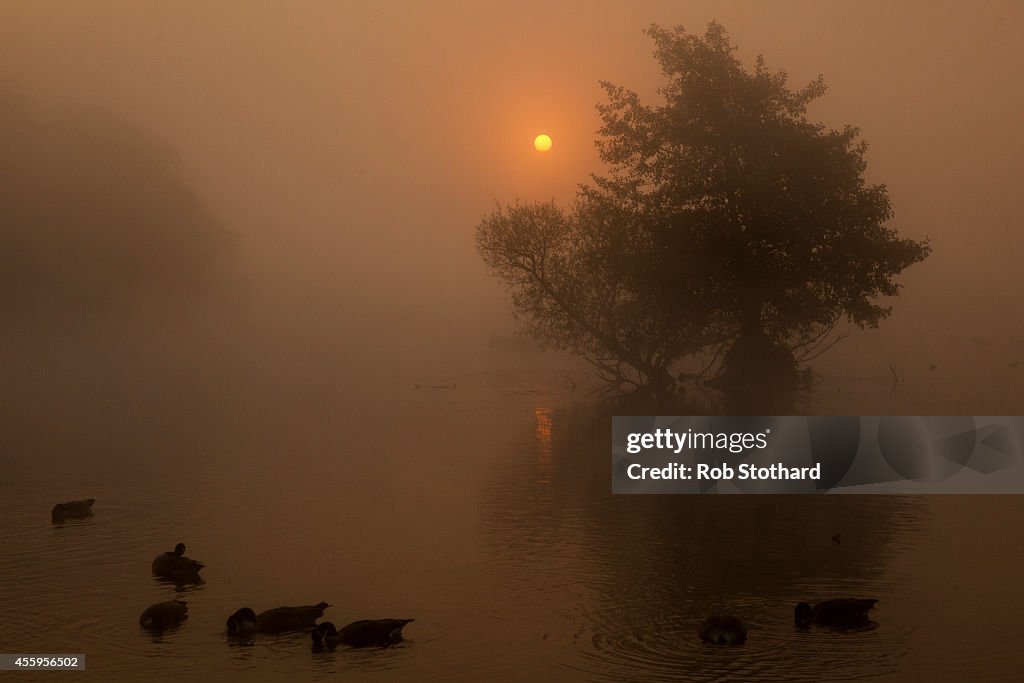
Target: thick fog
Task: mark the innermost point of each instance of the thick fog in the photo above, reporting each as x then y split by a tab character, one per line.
313	173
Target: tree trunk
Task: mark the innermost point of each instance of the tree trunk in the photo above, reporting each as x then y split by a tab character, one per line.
755	362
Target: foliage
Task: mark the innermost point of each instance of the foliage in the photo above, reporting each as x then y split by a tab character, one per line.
575	280
725	214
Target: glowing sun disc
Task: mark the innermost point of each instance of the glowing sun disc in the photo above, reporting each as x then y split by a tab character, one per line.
542	143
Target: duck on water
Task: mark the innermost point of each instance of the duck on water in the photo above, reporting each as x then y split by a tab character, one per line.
723	629
164	615
364	633
73	509
175	566
277	620
836	613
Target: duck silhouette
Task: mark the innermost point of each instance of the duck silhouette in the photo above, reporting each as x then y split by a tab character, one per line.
164	615
837	613
277	620
364	633
73	509
723	629
175	566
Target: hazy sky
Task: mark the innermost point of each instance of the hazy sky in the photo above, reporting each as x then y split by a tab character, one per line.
355	145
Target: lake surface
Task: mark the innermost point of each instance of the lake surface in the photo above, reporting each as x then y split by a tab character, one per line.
483	510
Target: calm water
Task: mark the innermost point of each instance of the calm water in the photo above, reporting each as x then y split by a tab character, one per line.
483	511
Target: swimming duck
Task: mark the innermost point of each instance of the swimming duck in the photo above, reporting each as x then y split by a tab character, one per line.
325	636
174	565
277	620
723	629
164	615
364	633
75	509
242	621
839	613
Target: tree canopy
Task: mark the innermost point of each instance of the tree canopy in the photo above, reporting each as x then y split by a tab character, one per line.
725	216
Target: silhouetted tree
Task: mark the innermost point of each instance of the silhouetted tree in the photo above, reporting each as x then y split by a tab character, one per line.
576	281
726	219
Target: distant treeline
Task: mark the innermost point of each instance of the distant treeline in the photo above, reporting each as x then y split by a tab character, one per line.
95	216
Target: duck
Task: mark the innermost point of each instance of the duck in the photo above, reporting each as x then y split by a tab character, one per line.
174	565
164	615
837	613
242	621
364	633
723	629
277	620
74	509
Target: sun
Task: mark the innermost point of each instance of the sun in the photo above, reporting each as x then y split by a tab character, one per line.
542	143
